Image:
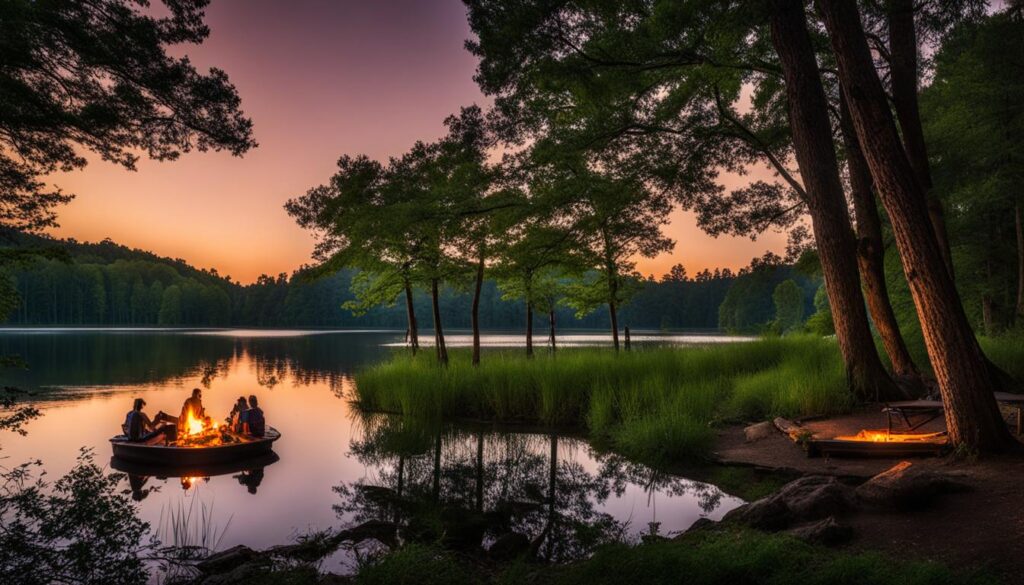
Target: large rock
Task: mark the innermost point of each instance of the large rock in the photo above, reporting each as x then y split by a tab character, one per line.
756	432
806	499
906	486
828	532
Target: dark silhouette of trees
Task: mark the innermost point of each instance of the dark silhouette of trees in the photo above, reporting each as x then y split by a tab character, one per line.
96	77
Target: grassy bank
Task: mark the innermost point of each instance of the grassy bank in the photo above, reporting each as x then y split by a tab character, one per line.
709	557
653	404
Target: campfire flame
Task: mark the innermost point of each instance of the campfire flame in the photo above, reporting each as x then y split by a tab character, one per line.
199	432
872	436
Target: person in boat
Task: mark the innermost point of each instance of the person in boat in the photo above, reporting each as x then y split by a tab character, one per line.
139	428
253	423
235	418
194	404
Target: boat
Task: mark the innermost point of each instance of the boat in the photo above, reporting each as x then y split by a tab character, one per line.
177	456
194	469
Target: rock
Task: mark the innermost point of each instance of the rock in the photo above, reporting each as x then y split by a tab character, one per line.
806	499
828	532
227	560
702	523
815	497
756	432
906	487
509	546
769	514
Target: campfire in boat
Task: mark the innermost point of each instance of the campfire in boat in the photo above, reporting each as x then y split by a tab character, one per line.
197	431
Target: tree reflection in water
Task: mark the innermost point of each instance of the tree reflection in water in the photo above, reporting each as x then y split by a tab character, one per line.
468	488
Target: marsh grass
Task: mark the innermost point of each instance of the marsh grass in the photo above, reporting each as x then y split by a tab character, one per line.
655	404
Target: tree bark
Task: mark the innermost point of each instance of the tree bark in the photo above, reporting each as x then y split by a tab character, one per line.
615	325
903	76
551	330
475	310
442	350
815	153
1020	263
965	380
410	312
871	255
529	329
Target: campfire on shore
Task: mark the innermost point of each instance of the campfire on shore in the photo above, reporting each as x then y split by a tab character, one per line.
884	436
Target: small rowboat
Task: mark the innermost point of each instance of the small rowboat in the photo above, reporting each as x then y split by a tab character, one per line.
185	456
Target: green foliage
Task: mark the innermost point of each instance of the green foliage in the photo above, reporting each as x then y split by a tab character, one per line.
789	306
749	304
821	322
747	556
82	529
973	122
416	564
653	404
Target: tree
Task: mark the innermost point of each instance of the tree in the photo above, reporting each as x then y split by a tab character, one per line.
972	128
789	305
653	88
815	153
965	380
170	306
96	76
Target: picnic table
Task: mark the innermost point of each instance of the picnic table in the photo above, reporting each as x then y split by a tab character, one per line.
917	413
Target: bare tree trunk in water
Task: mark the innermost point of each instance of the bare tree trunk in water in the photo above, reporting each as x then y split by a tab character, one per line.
625	332
442	350
815	154
551	330
965	380
1020	264
475	311
410	312
615	325
529	329
871	256
903	76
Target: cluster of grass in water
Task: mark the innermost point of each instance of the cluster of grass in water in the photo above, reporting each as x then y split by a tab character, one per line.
654	404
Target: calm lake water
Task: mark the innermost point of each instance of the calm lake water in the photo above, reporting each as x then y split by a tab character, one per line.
336	468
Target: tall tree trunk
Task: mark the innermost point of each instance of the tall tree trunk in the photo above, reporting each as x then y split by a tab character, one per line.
613	295
1019	317
903	76
442	350
815	153
965	380
871	255
475	311
529	329
551	330
410	313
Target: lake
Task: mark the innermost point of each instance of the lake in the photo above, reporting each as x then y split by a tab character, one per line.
336	467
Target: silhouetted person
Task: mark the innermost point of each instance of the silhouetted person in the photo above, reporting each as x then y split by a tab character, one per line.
235	418
139	428
253	422
137	483
193	404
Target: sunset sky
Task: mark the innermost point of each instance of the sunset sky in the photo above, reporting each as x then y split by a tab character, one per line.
320	79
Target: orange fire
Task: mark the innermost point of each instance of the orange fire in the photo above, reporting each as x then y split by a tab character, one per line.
872	436
196	431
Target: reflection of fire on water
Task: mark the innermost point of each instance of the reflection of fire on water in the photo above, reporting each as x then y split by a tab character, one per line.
871	436
187	482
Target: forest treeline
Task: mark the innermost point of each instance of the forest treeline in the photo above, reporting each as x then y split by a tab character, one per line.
107	284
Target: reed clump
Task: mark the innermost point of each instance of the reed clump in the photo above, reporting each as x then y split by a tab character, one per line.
655	404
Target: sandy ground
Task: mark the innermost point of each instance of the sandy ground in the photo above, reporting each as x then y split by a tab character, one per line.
983	528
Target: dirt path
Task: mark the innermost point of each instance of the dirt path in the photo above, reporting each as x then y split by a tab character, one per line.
983	528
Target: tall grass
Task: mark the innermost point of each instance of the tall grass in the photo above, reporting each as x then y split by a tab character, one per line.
655	404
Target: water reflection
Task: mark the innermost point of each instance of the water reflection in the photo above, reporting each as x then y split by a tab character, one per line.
472	488
248	472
